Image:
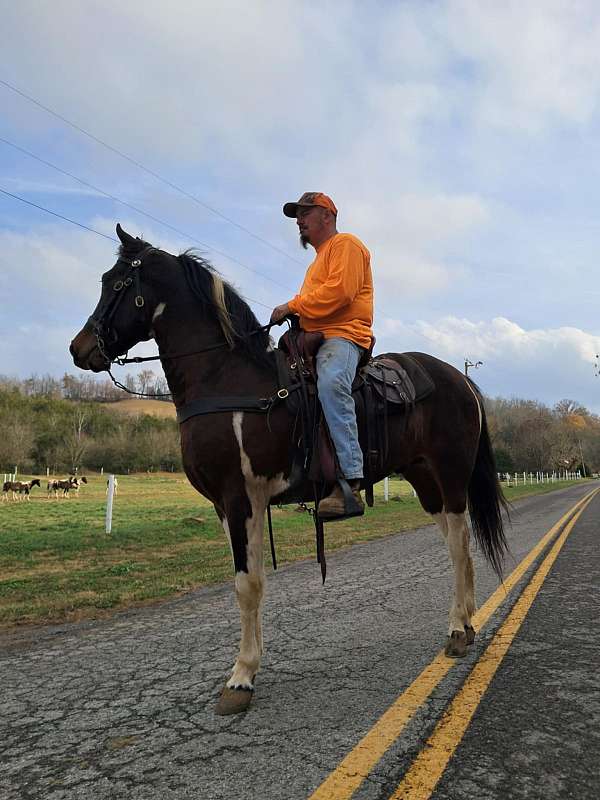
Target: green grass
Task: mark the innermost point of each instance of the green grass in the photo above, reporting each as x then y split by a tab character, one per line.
57	563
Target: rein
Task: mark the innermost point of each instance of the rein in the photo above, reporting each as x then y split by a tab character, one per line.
139	360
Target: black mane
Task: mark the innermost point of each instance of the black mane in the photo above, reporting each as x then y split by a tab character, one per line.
199	277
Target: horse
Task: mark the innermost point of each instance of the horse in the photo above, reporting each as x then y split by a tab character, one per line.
76	483
19	488
11	486
55	486
27	486
220	366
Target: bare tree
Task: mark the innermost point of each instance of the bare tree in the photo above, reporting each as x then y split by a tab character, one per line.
17	439
76	441
145	379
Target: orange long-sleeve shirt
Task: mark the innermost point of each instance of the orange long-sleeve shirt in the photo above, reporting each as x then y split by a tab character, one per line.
337	294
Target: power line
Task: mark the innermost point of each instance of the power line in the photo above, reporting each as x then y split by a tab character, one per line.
112	239
147	170
139	211
86	227
60	216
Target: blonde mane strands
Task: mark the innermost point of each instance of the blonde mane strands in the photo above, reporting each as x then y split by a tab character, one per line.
218	293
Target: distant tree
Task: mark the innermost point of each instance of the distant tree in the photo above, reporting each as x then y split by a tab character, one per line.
129	382
71	387
567	408
17	439
504	462
76	442
145	380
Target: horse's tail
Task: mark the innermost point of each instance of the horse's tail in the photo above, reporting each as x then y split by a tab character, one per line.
485	498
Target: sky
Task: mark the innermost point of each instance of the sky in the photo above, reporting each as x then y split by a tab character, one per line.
459	140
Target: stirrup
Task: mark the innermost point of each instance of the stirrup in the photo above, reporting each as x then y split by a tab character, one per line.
351	507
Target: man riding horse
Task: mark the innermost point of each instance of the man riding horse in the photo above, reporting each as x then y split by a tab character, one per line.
337	299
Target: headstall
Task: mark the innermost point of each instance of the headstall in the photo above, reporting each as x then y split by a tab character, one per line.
100	325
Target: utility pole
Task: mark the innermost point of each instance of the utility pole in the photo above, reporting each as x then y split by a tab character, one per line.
475	365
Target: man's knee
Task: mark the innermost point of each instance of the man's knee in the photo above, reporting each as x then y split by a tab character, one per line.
332	383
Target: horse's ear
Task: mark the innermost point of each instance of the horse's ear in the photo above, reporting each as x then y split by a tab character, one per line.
125	238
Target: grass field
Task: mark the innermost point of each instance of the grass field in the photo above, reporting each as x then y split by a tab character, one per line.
134	406
57	563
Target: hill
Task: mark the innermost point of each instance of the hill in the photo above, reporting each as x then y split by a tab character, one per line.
135	406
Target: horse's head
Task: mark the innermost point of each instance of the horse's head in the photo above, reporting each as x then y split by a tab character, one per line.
149	291
123	316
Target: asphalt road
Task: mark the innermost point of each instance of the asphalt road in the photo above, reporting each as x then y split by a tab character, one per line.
123	708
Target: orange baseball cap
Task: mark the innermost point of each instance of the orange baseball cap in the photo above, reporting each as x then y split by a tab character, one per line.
310	199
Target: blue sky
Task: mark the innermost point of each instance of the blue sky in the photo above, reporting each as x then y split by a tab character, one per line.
459	140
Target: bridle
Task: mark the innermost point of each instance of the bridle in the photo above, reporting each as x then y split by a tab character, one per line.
100	321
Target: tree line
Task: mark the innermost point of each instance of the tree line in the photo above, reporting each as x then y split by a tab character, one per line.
67	424
527	436
88	387
41	432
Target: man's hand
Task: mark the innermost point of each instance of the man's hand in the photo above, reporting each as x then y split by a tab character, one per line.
279	313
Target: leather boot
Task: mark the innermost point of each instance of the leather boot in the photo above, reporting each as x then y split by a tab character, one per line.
333	506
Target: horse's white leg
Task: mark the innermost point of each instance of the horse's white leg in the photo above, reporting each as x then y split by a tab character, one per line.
442	523
460	630
249	591
250	576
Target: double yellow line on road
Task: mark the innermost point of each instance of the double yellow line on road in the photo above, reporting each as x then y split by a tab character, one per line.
428	767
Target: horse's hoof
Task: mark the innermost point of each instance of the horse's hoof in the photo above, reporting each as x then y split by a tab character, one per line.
233	701
470	633
456	645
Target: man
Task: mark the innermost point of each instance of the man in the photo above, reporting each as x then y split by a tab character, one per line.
336	298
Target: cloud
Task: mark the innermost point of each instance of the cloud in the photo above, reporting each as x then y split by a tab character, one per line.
50	284
444	131
538	363
408	236
534	63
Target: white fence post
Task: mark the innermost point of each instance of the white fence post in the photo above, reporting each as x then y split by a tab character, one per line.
109	502
386	489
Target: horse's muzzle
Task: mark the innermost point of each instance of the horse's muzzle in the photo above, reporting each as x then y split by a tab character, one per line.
85	352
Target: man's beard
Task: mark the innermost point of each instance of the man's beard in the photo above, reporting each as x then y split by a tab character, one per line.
304	241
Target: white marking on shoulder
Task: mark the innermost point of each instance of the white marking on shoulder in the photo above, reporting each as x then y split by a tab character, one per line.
158	310
256	485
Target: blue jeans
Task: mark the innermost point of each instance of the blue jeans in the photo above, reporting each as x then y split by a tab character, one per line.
337	360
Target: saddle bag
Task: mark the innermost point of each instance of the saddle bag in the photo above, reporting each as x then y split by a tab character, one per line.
390	382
